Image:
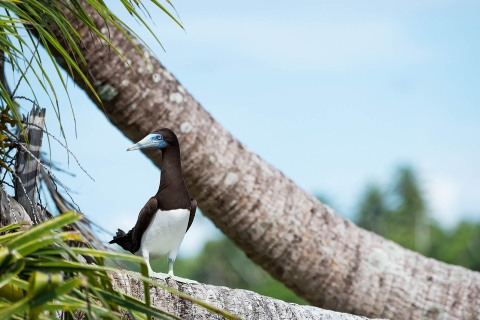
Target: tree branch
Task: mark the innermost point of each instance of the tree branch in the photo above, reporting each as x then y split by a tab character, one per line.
27	166
242	303
10	210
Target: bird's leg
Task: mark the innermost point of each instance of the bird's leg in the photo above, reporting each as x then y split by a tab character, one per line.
171	260
170	266
159	275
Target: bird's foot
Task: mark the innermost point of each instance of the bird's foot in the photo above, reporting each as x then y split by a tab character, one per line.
165	276
159	275
183	280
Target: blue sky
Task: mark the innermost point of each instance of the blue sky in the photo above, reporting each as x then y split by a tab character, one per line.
335	95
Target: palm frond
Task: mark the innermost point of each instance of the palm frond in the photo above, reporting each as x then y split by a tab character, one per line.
40	272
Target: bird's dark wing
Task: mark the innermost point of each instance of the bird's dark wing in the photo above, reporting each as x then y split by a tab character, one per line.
193	208
143	221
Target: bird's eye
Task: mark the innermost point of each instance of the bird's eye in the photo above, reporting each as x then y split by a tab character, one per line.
159	137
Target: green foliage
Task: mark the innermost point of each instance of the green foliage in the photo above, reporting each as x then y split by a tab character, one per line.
373	210
459	246
47	20
41	273
400	214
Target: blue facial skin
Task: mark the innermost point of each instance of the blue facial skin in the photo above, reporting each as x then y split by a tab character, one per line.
160	141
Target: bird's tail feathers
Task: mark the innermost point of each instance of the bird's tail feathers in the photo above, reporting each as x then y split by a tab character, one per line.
124	240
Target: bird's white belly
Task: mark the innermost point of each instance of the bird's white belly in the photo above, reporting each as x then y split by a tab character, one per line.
165	233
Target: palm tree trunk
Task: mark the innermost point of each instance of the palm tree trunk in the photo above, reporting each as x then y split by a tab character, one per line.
242	303
321	256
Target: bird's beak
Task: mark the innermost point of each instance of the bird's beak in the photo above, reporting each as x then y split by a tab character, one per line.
146	143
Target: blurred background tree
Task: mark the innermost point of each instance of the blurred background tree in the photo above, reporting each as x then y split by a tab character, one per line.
401	214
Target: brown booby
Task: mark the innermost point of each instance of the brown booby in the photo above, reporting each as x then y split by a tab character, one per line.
167	216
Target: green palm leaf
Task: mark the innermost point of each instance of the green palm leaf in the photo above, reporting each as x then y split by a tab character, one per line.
41	273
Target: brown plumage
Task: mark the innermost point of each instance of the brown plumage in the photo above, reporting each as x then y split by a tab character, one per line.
172	196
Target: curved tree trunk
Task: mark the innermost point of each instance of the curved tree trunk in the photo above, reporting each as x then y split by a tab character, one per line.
323	257
242	303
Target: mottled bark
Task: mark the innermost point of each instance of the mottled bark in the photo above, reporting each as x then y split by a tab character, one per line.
323	257
242	303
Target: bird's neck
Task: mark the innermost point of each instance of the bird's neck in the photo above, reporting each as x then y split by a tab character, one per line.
171	168
172	193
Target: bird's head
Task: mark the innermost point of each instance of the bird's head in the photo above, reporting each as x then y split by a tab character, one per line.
158	139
